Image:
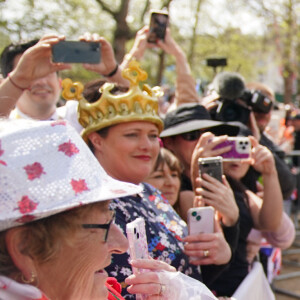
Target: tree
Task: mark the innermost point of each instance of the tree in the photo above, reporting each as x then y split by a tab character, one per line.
28	19
119	20
123	32
282	26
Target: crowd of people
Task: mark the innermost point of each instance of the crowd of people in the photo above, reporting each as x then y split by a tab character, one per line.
73	176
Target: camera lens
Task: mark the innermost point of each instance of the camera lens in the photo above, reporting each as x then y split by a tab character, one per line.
231	113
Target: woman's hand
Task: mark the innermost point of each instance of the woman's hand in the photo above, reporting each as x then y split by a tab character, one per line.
262	158
36	62
208	248
168	44
108	61
212	192
149	282
205	148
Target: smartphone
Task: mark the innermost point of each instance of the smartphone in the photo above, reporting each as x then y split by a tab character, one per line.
212	166
138	246
201	220
240	148
158	25
136	234
76	52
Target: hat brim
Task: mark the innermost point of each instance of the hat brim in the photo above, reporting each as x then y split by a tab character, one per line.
216	126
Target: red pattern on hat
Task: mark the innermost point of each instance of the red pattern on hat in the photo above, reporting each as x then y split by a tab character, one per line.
1	153
25	219
79	186
34	171
26	205
68	148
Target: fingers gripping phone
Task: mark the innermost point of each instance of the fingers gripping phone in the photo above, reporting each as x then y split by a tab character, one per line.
136	234
158	25
138	246
240	148
212	166
76	52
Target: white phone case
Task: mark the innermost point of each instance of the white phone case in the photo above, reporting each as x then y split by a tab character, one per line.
201	220
240	148
138	246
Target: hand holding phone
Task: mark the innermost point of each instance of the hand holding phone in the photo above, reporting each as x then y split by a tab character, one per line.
138	246
76	52
136	234
240	148
158	26
212	166
200	220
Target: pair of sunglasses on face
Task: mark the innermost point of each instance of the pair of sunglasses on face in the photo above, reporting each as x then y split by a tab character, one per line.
192	135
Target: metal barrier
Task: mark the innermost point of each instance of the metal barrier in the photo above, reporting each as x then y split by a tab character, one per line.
295	249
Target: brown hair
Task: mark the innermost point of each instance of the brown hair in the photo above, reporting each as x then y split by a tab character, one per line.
165	156
92	89
92	93
42	239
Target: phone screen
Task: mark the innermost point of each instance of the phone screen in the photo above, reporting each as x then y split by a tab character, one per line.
76	52
158	26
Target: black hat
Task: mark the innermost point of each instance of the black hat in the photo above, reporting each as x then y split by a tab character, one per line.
229	85
190	117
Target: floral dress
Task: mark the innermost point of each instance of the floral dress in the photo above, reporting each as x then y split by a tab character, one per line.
164	229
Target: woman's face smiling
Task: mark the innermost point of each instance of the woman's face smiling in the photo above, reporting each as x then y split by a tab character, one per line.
77	271
129	151
167	181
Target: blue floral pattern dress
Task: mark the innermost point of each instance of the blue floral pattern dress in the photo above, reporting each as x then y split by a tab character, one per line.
164	229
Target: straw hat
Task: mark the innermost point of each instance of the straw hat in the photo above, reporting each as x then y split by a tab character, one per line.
46	168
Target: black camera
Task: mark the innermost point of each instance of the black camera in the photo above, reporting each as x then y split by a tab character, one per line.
259	102
229	111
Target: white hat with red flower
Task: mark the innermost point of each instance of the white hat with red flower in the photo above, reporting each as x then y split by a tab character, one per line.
46	168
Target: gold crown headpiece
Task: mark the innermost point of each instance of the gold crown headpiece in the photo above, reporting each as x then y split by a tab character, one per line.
109	109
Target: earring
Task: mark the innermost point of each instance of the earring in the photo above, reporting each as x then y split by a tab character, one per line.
28	281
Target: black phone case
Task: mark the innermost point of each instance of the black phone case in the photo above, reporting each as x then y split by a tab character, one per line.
212	167
76	52
157	28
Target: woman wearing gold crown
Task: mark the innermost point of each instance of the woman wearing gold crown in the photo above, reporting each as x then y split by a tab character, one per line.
122	131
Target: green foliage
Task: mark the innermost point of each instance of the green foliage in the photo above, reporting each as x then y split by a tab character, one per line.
28	19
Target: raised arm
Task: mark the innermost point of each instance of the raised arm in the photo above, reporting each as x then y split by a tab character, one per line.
268	216
34	63
139	47
108	66
185	83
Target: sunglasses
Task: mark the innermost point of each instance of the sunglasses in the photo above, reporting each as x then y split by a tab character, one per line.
192	135
102	226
